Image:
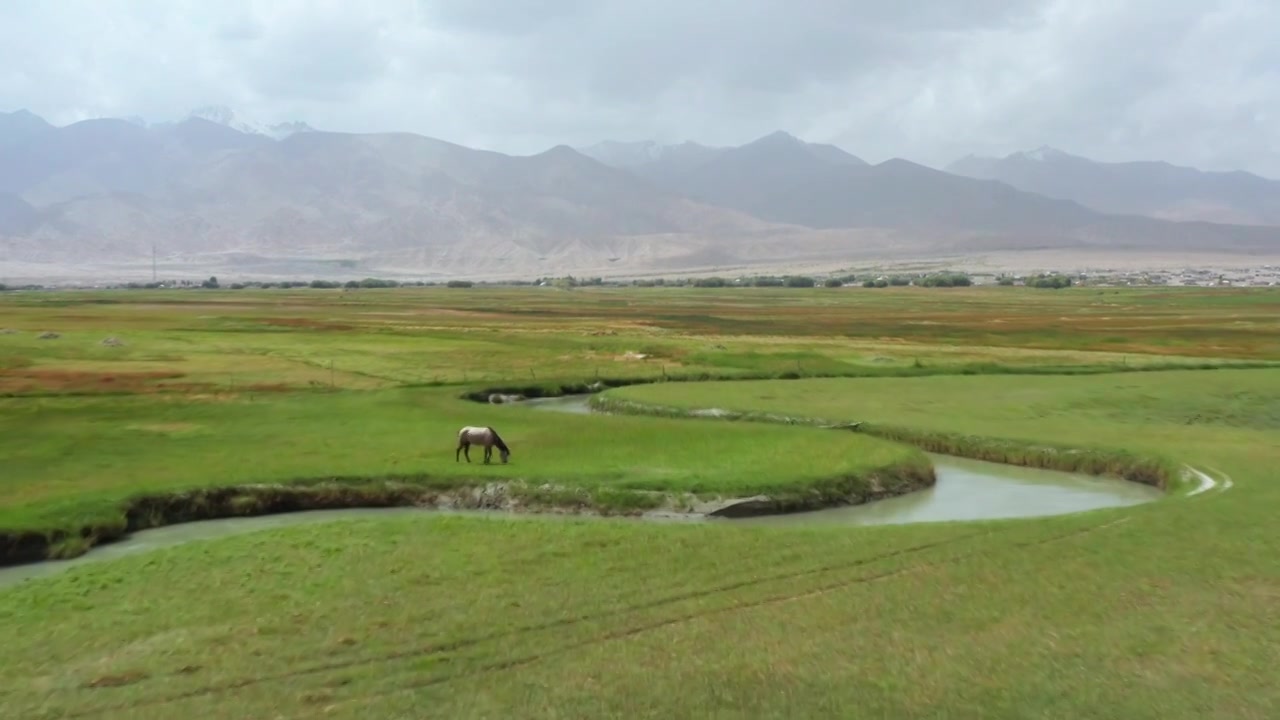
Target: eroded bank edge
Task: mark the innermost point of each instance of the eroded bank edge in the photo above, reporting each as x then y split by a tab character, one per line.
148	511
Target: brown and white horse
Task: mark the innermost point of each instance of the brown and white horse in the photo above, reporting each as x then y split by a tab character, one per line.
484	436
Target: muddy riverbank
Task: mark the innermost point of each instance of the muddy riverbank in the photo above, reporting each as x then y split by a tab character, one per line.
516	496
964	490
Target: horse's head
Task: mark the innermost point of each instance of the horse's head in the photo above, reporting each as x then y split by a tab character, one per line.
504	453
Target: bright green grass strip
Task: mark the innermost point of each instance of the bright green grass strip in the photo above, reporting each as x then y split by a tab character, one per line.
1117	424
1036	408
72	461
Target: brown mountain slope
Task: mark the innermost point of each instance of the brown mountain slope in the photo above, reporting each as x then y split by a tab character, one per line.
781	179
106	191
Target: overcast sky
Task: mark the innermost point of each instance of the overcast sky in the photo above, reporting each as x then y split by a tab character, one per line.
1188	81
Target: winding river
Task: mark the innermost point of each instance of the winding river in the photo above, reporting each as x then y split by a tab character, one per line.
965	490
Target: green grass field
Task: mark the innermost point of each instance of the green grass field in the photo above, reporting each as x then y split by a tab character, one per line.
71	462
1161	610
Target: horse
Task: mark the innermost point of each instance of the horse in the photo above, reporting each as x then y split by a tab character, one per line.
485	436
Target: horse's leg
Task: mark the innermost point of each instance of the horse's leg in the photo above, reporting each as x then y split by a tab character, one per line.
488	453
457	452
466	451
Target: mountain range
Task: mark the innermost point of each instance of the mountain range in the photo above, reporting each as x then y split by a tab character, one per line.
213	191
1155	189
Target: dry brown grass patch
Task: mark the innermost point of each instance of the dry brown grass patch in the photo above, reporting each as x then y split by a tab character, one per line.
296	322
25	380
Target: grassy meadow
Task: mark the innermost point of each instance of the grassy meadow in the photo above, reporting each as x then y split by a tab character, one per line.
1161	610
203	342
72	462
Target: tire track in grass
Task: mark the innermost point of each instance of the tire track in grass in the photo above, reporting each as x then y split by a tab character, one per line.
438	648
668	622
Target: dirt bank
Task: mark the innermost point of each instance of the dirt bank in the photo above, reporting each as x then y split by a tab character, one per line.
599	384
158	510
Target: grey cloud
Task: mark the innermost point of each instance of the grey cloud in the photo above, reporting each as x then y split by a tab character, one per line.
627	51
499	17
320	57
1189	81
241	30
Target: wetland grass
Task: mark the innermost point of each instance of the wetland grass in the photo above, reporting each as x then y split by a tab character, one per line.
211	342
95	467
1161	610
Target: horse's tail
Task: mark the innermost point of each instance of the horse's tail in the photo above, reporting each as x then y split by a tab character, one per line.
497	440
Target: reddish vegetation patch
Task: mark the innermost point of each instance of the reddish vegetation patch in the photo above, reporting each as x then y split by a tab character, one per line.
119	680
25	380
204	387
308	324
269	387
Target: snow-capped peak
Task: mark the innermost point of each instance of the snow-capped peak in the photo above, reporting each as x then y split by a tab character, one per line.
1044	153
224	115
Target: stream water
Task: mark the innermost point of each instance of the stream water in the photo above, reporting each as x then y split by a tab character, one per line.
966	490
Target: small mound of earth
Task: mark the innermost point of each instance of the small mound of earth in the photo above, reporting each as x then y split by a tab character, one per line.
740	507
113	342
8	331
500	398
50	335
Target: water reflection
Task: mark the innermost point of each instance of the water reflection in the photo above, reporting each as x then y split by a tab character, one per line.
976	490
966	490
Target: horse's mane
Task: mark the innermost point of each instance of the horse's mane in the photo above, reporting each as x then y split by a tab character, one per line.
497	440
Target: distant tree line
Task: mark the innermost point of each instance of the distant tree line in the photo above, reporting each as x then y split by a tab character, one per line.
568	281
942	279
212	283
791	281
1052	282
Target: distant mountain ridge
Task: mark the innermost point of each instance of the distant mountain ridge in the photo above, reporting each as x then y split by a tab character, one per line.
215	188
1151	188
